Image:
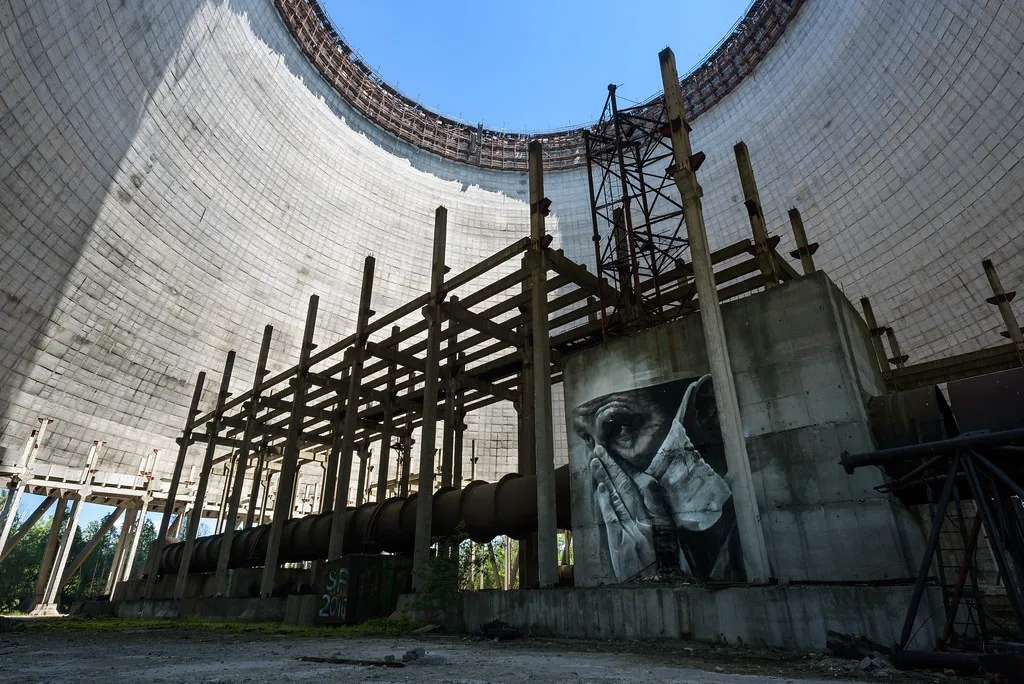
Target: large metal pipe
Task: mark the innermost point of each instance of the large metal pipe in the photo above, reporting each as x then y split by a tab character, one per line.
484	509
947	446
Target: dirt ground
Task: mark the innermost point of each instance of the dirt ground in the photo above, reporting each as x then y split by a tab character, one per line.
140	654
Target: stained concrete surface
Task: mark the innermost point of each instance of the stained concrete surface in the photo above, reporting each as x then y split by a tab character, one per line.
172	655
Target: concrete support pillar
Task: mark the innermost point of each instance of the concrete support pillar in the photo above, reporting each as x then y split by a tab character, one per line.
14	492
212	433
51	596
898	358
137	528
448	436
225	492
748	517
290	462
49	552
254	493
364	460
183	444
752	200
460	431
251	409
387	428
544	446
425	494
120	551
337	431
804	250
175	529
26	526
407	444
527	428
1001	298
876	332
336	546
91	545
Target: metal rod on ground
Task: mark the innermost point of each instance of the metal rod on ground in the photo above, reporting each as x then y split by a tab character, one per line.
804	250
752	201
212	432
251	409
428	431
358	350
544	449
183	443
289	464
26	526
388	427
748	518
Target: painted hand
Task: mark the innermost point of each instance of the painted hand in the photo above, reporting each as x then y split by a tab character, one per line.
631	509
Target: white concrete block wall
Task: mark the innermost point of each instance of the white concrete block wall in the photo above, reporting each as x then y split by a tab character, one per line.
175	175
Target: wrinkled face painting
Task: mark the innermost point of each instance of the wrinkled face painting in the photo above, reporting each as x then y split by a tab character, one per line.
662	503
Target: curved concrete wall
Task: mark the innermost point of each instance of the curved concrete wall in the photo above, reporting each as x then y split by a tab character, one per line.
176	175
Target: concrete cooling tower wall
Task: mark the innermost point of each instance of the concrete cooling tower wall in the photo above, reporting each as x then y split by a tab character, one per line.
175	175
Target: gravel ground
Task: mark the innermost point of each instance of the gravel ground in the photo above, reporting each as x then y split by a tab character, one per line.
197	657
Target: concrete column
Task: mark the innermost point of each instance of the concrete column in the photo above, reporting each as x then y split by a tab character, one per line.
752	200
336	546
1001	298
387	428
49	552
448	435
804	251
91	545
183	444
133	548
460	432
544	446
120	551
225	492
254	493
899	359
748	517
290	462
527	427
212	433
407	444
19	483
876	333
26	526
364	459
425	494
56	575
175	529
337	441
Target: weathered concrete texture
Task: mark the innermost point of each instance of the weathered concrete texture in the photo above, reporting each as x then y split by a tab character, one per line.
802	365
793	617
176	175
242	583
260	609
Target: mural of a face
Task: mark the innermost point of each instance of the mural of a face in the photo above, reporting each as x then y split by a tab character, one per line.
661	503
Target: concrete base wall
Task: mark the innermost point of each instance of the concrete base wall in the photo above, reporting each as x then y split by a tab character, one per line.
794	617
265	609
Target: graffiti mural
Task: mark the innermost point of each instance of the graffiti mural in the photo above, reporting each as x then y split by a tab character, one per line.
660	494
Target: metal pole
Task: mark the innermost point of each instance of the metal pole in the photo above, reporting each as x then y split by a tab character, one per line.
428	433
212	431
165	521
748	517
544	446
289	465
336	547
752	200
251	411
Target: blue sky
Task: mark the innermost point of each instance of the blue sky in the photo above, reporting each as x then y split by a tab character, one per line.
529	65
